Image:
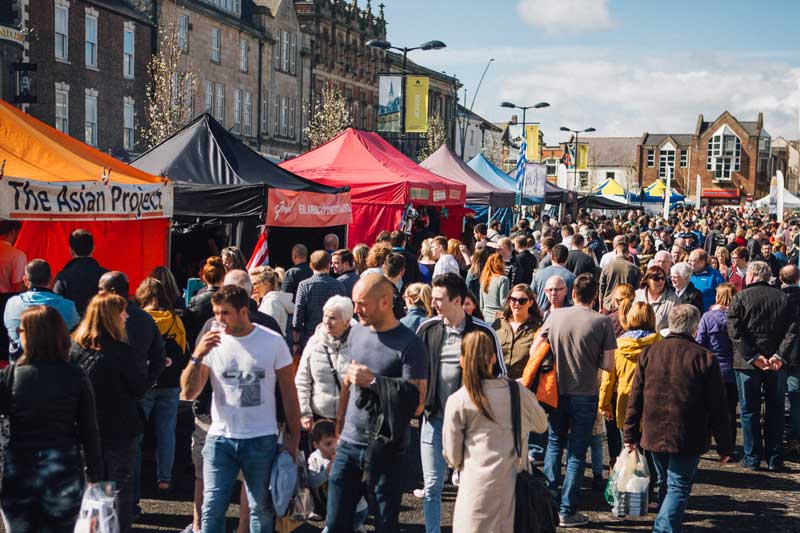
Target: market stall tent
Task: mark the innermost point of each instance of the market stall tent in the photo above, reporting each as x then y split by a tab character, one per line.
790	201
219	178
55	184
383	183
610	187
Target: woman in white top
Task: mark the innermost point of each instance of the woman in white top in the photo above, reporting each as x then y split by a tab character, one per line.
444	261
658	294
273	302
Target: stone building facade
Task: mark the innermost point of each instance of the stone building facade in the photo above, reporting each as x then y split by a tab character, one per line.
91	58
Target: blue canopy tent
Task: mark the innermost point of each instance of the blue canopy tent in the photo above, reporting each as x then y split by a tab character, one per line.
499	179
654	193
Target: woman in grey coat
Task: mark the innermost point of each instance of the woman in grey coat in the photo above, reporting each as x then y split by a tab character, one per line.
324	362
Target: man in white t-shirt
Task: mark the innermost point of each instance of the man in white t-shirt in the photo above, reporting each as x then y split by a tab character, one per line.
244	362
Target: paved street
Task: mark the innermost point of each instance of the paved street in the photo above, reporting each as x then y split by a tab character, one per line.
726	498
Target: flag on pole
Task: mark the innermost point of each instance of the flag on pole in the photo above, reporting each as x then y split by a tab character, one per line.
781	187
668	192
260	255
522	161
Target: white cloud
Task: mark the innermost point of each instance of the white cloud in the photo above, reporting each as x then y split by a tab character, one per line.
567	16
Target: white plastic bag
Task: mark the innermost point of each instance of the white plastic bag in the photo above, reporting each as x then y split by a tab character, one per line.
99	509
629	485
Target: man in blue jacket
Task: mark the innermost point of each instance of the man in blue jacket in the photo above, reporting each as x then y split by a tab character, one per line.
37	279
704	278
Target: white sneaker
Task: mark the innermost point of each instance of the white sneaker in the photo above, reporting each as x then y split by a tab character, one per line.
419	493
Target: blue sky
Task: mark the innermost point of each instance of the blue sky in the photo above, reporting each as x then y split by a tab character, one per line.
621	66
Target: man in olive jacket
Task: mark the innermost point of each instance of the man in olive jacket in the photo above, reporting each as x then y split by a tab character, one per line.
763	330
677	396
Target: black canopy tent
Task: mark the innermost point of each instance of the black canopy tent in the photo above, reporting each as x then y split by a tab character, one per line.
221	193
593	201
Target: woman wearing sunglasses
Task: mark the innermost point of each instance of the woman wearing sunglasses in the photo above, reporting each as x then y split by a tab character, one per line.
517	327
655	292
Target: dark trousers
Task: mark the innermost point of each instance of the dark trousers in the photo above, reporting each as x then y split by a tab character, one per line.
345	489
732	397
42	490
613	435
768	444
119	459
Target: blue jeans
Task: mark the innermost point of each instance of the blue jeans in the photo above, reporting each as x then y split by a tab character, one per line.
793	393
674	475
597	455
222	460
571	427
750	383
345	489
434	470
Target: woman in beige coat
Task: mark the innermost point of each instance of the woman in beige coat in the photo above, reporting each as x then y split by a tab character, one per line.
478	441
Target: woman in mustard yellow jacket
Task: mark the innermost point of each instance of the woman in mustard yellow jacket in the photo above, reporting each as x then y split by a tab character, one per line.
640	333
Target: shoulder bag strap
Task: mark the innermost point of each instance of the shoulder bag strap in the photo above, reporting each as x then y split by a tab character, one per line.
333	368
515	415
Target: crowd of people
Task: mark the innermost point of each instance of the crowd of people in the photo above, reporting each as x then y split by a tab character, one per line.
650	333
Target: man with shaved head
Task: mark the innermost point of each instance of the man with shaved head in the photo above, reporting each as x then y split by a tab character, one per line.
790	277
555	289
385	354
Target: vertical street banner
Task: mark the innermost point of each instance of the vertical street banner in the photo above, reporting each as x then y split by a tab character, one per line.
390	101
698	192
416	104
773	196
582	158
667	193
535	178
532	139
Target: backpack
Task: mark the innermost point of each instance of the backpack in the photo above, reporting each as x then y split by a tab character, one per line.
534	508
175	358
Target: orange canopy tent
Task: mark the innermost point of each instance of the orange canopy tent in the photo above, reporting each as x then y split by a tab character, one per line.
382	181
54	184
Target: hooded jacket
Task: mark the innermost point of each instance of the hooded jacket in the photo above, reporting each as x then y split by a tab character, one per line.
626	358
78	281
36	296
278	305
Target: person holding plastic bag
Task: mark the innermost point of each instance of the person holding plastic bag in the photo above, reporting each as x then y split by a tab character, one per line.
51	407
677	385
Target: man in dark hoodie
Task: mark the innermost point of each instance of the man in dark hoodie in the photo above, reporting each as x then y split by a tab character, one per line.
790	276
77	281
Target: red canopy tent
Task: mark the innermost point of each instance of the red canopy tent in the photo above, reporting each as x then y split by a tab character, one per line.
382	182
54	184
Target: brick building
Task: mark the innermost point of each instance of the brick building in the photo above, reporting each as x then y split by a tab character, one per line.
91	58
339	31
732	158
13	46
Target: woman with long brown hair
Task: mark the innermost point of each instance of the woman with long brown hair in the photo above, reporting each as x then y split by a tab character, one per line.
100	347
517	327
51	407
658	294
494	287
478	441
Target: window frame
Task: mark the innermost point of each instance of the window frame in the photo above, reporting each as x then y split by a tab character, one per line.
90	103
64	40
129	59
247	114
277	112
208	102
216	45
285	46
684	158
651	158
62	90
284	116
237	111
292	54
665	157
183	33
244	53
219	102
89	16
128	139
264	113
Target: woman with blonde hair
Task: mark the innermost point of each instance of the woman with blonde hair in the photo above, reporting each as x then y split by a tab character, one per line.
51	408
494	287
478	440
454	248
426	261
360	252
418	305
622	297
100	347
272	301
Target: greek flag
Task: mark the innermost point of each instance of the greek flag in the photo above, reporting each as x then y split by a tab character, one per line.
522	161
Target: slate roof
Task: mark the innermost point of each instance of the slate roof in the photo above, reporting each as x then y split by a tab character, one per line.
655	139
612	151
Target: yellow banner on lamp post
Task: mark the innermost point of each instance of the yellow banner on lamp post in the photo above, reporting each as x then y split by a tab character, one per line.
532	140
583	157
416	104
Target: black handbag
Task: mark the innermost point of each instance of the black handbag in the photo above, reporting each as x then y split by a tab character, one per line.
534	508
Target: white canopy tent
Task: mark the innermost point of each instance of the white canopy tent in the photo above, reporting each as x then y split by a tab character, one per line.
790	201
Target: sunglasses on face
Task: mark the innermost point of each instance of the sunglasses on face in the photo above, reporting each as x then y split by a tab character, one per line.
520	301
658	278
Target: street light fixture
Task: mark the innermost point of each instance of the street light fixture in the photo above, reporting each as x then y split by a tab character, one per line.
383	44
575	163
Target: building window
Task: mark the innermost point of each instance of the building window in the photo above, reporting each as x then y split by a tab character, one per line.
724	152
127	114
277	52
684	158
237	111
62	107
666	158
128	45
90	119
651	157
209	97
584	180
216	44
552	166
219	111
276	113
243	49
91	37
285	47
293	54
62	29
292	119
284	116
264	112
183	32
247	114
610	175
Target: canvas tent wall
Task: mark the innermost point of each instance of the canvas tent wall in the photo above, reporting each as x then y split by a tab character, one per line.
383	183
55	184
221	180
790	201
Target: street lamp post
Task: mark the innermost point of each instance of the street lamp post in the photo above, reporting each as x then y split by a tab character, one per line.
386	45
575	163
524	109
